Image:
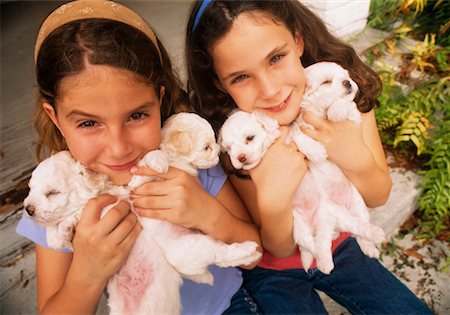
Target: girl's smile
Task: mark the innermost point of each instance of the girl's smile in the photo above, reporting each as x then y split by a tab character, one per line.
123	167
109	119
278	108
269	77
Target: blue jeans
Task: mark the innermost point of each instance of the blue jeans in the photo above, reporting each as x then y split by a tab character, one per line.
242	303
359	283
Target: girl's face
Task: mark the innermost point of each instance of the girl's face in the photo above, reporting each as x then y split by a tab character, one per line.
108	118
258	64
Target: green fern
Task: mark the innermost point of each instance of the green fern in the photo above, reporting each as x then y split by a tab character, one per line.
422	119
414	129
419	120
435	200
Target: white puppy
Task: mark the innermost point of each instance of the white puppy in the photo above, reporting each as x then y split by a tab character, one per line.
149	280
326	202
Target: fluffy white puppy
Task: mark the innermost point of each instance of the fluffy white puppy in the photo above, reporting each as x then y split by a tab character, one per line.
246	137
149	280
326	202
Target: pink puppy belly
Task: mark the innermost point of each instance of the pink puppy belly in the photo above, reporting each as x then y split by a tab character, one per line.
133	279
340	193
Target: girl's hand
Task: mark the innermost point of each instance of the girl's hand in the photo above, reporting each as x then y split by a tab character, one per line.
102	245
343	140
178	198
358	151
279	174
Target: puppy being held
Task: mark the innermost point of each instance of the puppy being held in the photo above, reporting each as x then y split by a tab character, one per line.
326	202
150	279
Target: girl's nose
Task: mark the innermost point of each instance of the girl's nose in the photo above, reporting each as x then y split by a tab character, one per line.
119	142
269	86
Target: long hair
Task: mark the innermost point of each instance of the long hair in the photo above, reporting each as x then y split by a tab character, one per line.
98	42
320	45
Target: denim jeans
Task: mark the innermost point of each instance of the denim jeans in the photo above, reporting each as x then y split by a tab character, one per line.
242	303
359	283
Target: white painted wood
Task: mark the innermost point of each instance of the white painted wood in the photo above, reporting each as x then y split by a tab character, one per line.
343	17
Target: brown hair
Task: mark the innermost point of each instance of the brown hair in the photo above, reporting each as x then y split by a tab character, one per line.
320	45
66	50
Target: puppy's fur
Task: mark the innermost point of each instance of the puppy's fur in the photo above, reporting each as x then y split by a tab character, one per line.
326	202
149	280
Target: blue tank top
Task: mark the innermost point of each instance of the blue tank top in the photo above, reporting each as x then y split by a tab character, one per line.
195	298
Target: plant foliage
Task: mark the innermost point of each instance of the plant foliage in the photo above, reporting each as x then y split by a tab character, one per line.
414	114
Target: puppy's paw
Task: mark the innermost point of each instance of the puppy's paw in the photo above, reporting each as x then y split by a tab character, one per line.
368	248
377	234
325	265
306	257
341	110
138	180
59	243
312	149
204	278
317	154
237	254
338	111
157	161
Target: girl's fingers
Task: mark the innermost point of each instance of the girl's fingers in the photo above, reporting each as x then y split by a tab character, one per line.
114	216
314	120
171	173
153	214
128	241
123	230
152	202
157	188
142	170
284	133
93	209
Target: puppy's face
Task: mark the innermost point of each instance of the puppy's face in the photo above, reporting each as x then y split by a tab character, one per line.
327	82
188	138
246	137
58	187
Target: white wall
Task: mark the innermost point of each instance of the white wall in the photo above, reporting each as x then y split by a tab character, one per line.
343	17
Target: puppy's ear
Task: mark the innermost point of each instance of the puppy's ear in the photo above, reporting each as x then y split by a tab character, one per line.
179	141
94	181
271	126
267	122
224	147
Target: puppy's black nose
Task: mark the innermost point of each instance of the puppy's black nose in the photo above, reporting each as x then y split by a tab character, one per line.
347	85
30	210
242	158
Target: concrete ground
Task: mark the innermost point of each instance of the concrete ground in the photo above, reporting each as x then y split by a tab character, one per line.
422	267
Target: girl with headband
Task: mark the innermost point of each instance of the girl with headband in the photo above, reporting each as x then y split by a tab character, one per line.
251	55
105	86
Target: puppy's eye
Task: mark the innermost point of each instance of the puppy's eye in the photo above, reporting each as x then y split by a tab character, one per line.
326	82
249	138
207	148
51	193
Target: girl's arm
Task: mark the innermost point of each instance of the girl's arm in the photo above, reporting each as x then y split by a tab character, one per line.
357	150
72	283
181	199
268	196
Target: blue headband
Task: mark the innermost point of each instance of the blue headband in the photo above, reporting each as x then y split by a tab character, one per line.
200	11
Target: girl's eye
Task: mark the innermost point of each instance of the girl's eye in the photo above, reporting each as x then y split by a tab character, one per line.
87	124
239	79
276	59
137	116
